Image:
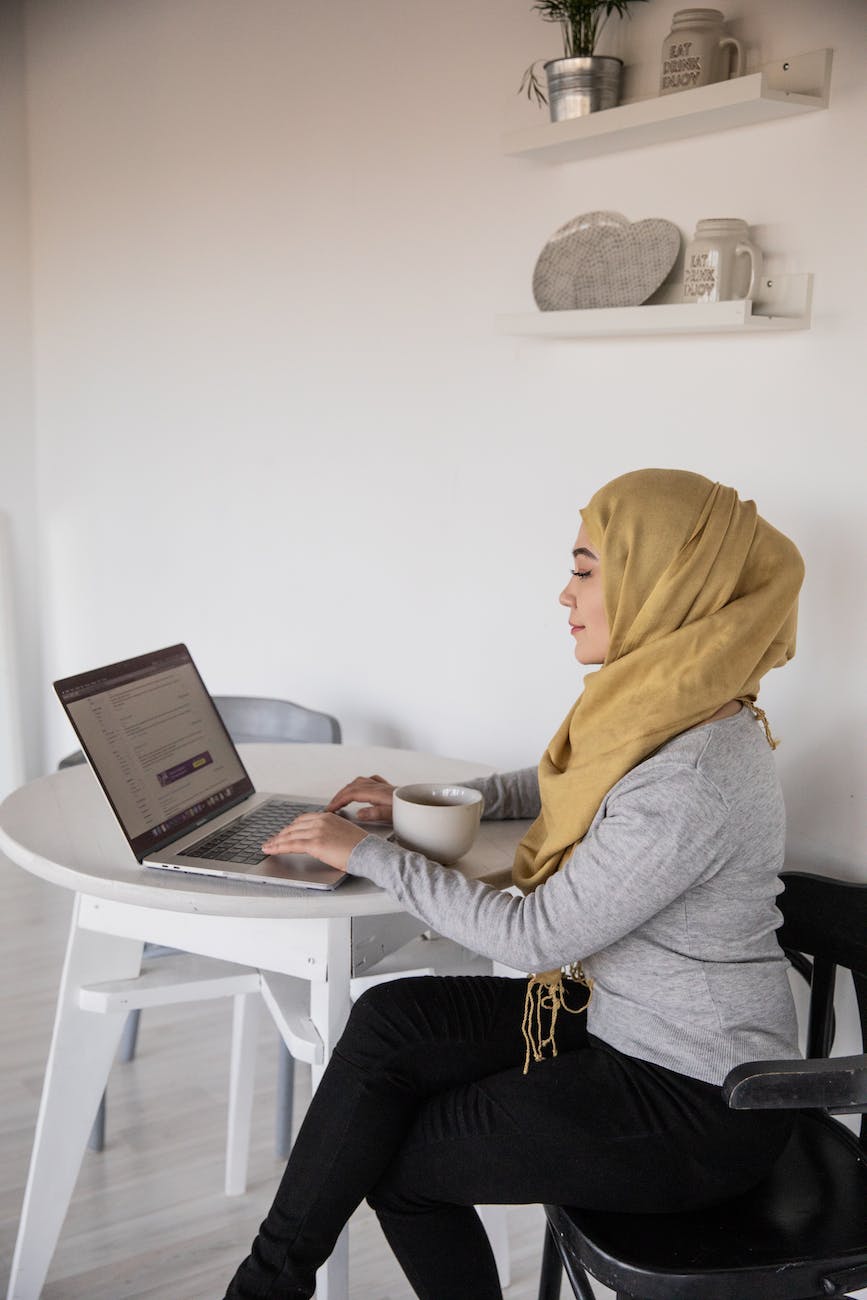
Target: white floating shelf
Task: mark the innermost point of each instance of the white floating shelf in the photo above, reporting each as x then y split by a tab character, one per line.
785	305
782	89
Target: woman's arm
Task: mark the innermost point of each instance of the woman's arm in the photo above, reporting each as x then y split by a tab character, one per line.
657	838
509	796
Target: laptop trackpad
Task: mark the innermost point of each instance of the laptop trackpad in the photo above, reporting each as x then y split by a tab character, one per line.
298	867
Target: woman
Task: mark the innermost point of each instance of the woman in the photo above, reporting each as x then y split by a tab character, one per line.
649	874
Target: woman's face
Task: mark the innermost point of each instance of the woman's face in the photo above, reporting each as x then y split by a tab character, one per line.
583	597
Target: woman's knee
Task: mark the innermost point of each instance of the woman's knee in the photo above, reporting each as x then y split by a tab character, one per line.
395	1193
386	1019
449	1029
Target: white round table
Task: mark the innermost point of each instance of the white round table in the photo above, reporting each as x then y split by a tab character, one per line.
299	949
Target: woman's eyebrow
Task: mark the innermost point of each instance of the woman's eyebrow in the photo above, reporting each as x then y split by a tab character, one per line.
582	550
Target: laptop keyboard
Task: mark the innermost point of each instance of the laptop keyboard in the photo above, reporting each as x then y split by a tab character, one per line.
241	841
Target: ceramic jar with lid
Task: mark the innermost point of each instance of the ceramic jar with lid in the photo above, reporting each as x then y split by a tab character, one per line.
721	262
697	51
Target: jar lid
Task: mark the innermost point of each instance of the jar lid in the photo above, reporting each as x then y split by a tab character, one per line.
698	15
729	223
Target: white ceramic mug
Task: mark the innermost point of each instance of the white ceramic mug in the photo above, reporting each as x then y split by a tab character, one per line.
440	821
721	262
697	52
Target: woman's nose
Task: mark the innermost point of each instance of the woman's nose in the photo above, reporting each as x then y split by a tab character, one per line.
567	596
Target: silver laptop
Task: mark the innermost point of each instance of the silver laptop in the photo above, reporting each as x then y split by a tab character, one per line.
173	777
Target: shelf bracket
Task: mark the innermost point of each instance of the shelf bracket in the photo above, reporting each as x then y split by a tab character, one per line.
789	296
803	74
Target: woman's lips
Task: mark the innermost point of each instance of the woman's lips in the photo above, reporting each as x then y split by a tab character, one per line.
576	627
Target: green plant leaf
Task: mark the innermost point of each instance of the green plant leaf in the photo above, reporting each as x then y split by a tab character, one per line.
531	84
581	21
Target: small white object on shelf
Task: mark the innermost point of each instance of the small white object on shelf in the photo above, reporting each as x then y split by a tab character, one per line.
784	88
782	303
698	52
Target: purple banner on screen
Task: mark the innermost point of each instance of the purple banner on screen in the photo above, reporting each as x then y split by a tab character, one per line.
180	770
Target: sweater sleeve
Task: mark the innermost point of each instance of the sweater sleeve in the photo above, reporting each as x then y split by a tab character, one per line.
655	836
509	795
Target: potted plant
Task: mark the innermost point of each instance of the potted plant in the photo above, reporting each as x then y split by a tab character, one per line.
582	81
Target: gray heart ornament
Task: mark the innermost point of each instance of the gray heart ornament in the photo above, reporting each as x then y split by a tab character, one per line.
600	259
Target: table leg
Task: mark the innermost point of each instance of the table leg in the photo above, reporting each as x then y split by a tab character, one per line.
245	1026
312	1038
330	1005
82	1048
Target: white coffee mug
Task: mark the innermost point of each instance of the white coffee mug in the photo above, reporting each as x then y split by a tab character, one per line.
721	262
440	821
697	52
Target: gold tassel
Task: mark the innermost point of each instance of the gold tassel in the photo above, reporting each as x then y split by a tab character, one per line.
546	993
763	719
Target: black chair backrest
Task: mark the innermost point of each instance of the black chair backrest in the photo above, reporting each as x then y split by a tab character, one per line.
826	920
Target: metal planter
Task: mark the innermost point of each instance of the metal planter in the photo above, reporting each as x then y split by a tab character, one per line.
577	87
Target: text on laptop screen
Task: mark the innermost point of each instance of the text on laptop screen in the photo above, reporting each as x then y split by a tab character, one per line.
157	744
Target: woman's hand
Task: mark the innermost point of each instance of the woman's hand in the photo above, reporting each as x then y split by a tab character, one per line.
331	838
326	837
372	790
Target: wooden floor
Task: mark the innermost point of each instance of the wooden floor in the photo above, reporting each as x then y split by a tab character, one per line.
149	1218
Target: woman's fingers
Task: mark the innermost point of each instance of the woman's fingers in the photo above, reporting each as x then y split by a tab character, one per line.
322	835
344	796
305	827
363	789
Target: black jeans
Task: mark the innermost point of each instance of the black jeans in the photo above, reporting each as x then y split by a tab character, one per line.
425	1111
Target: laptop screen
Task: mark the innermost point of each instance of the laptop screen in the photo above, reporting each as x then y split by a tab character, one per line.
157	744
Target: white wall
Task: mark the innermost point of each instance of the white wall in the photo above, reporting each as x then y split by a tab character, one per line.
270	241
20	677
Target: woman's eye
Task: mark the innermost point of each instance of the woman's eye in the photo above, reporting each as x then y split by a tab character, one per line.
580	573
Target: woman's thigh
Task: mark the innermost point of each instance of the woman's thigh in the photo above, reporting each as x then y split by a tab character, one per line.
589	1127
427	1034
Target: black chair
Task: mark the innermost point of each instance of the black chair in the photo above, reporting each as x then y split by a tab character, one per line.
247	718
800	1234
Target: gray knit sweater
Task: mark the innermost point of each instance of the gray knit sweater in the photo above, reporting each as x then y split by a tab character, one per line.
668	901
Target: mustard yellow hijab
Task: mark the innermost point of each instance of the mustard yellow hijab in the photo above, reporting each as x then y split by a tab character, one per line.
701	598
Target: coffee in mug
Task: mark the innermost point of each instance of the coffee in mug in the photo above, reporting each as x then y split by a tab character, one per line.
440	821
